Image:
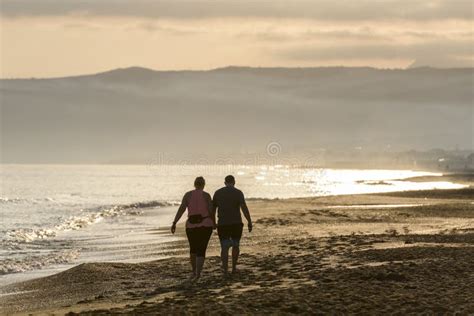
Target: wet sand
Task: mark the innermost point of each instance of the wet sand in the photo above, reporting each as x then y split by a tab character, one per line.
396	253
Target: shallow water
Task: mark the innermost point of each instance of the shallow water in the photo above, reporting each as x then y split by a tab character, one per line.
55	216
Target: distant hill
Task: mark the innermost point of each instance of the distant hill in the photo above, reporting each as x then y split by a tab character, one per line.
133	114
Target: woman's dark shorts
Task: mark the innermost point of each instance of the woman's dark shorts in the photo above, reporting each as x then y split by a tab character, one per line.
229	235
198	239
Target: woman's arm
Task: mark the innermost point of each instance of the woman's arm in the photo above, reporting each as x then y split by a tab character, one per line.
210	209
180	212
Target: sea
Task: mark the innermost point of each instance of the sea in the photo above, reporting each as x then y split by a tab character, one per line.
54	217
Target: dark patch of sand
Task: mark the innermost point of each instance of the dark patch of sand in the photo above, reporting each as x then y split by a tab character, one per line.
465	193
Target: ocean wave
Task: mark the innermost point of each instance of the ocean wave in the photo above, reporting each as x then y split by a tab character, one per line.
10	200
5	200
28	263
24	235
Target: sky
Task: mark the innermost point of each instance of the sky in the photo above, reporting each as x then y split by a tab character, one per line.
52	38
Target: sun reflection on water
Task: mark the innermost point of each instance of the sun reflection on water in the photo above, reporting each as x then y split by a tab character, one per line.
334	182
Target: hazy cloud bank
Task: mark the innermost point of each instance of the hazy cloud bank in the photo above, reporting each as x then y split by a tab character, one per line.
83	36
186	9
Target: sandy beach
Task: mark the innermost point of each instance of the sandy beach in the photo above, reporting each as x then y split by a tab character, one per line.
397	253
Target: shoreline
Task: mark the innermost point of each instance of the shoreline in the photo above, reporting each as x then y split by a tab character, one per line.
341	166
334	245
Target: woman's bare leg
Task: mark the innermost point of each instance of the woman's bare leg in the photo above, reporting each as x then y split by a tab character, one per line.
192	258
199	266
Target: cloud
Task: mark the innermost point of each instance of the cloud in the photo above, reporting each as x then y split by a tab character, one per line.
349	10
441	53
346	34
278	35
203	34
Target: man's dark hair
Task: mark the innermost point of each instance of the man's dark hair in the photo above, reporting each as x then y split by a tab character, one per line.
230	179
199	182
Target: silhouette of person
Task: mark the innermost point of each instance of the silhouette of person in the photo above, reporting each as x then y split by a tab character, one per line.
199	224
228	201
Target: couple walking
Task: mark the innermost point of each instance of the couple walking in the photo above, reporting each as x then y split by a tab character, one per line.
228	201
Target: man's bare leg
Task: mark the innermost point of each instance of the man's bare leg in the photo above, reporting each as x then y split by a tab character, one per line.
192	259
235	258
225	259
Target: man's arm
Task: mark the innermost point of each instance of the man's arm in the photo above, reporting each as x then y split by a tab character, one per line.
245	210
180	212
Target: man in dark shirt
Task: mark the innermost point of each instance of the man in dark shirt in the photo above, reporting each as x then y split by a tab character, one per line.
228	201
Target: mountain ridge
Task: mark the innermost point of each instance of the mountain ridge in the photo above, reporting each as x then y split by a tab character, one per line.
135	113
134	70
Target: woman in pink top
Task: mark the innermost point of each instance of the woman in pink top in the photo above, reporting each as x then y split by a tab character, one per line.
199	225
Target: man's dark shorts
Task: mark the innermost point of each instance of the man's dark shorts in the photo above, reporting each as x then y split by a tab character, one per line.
229	235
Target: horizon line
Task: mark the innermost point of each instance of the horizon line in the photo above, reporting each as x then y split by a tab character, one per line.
230	67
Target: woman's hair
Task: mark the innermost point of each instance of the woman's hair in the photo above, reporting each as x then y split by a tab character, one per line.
199	183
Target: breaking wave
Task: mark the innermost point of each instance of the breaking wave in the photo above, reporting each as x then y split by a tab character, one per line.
28	263
4	200
7	200
24	235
